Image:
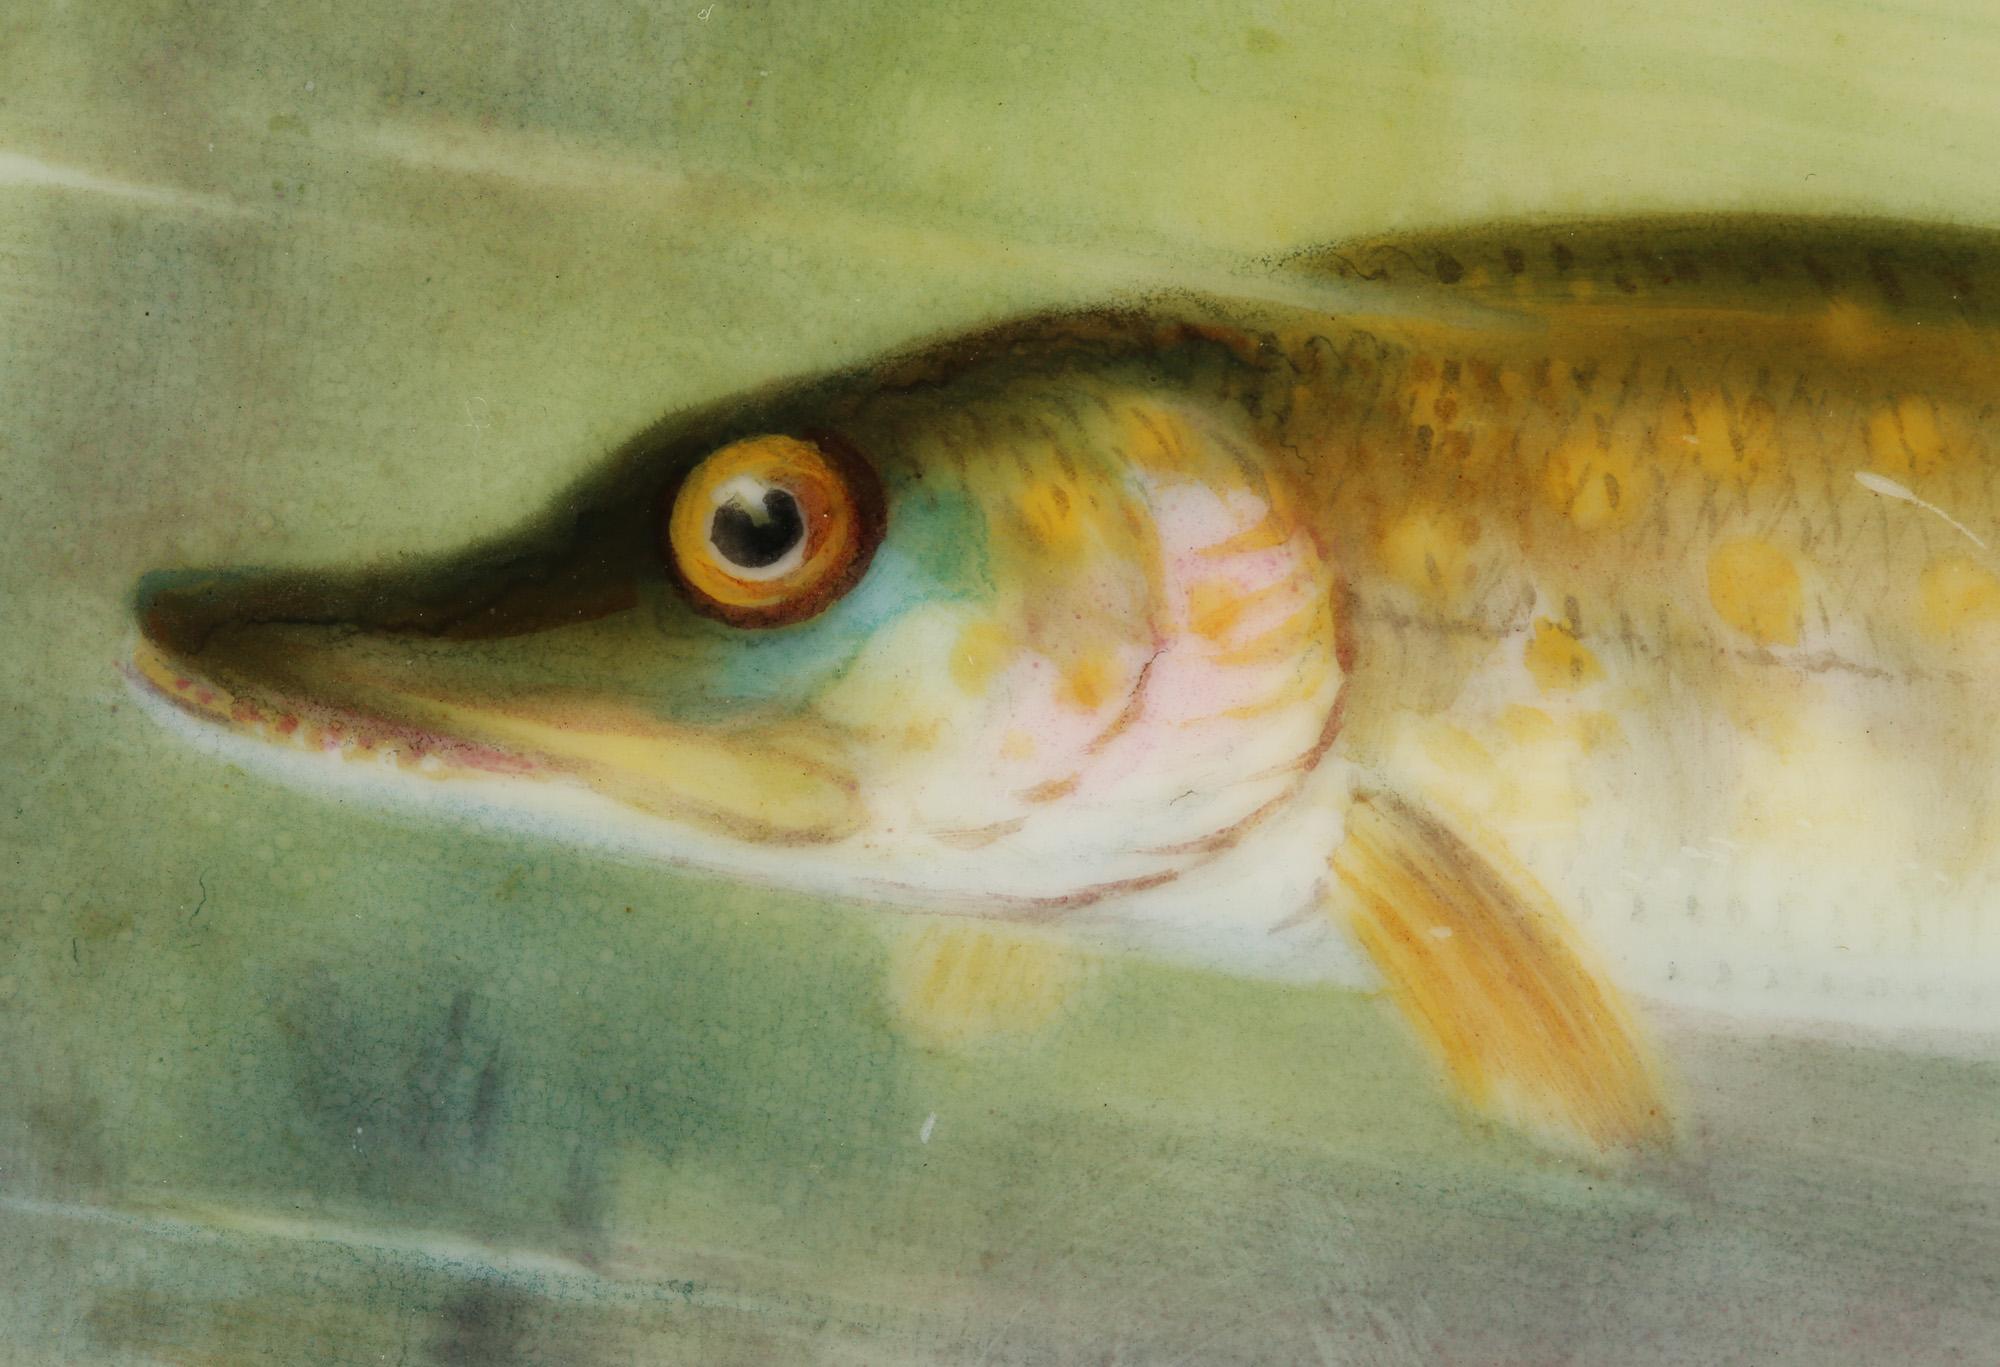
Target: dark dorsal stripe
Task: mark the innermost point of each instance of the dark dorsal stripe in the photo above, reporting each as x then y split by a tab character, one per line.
1903	269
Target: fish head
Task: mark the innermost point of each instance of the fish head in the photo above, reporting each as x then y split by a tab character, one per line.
1017	622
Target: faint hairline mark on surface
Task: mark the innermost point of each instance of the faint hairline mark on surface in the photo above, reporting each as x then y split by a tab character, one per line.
1888	488
476	409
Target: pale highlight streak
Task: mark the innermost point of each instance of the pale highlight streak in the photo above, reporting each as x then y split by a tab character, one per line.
17	168
1888	488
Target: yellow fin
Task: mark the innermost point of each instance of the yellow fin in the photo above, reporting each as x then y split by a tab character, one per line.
964	982
1485	968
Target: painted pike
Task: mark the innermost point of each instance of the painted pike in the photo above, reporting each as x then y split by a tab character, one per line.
1537	621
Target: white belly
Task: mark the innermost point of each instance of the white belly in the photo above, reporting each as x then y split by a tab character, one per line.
1823	873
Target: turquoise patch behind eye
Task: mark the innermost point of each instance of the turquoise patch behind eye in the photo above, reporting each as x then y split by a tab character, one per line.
934	551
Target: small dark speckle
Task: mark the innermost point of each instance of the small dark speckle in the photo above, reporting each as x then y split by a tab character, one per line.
1564	257
1516	262
1449	271
1262	40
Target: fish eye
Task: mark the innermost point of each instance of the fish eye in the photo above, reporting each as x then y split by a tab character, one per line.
773	529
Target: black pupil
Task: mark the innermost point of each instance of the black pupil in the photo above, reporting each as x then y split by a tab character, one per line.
750	537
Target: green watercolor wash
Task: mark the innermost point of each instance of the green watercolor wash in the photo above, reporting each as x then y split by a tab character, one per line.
391	278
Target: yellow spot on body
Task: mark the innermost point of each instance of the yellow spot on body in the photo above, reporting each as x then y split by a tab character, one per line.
1708	421
1427	551
1903	439
1956	594
1732	447
1088	682
1017	744
982	648
1214	609
1050	513
1755	588
1917	417
1592	482
1527	725
1557	660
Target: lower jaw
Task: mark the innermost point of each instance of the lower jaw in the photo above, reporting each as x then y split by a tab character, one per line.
282	721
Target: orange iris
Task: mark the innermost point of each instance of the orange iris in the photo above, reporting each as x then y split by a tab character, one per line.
772	529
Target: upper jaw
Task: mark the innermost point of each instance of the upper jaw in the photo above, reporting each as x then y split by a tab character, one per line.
464	686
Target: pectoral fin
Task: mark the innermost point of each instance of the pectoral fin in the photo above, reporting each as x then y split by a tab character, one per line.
960	983
1488	972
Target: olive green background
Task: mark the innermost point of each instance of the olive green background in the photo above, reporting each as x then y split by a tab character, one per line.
284	1080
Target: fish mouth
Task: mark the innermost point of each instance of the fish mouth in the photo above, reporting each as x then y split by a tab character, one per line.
501	693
